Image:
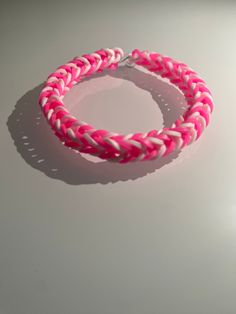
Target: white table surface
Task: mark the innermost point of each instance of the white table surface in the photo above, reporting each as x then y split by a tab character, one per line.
78	236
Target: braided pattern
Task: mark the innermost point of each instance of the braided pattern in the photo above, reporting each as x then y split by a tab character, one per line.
136	146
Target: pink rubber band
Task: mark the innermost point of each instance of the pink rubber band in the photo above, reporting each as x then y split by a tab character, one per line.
136	146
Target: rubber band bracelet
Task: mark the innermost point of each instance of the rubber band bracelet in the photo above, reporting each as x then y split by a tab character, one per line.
122	148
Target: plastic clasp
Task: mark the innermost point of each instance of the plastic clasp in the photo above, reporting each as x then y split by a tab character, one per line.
128	61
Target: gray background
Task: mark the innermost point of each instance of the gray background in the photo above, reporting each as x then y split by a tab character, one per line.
89	237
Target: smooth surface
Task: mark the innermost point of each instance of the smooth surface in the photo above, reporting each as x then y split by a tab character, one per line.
79	236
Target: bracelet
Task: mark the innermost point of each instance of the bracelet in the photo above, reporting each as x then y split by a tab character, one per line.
122	148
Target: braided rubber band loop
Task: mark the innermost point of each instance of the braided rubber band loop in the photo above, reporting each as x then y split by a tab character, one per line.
85	138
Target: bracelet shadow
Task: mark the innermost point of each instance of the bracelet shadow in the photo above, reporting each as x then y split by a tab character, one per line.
42	150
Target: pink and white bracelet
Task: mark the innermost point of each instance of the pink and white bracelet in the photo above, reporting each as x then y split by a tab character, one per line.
135	146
